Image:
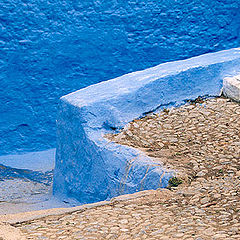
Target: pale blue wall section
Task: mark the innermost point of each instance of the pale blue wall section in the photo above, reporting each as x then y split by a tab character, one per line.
90	169
51	48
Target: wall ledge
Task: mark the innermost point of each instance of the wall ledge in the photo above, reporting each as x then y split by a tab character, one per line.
90	168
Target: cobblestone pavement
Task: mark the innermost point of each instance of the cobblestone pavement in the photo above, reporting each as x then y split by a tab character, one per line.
201	141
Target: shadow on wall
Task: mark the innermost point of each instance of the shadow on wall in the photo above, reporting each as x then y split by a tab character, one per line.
51	48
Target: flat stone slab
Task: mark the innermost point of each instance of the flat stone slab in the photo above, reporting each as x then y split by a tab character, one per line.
231	87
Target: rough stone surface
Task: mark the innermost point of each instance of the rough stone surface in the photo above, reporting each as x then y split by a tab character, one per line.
196	134
90	168
231	87
51	48
199	137
8	232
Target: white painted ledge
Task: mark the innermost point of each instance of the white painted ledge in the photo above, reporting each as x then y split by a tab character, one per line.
231	87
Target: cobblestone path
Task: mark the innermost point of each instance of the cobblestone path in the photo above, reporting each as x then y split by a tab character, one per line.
201	141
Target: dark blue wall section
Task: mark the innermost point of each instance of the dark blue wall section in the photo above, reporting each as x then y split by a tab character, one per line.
51	48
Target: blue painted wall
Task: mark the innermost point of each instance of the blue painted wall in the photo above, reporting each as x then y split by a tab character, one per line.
88	167
51	48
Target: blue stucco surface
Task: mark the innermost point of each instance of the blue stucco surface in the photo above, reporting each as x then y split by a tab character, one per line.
51	48
88	167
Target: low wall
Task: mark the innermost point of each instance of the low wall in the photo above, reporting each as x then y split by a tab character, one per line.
88	167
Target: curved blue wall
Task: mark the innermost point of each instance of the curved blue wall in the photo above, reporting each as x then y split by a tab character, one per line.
88	167
51	48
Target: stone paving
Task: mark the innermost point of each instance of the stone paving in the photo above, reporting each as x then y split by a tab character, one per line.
201	141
